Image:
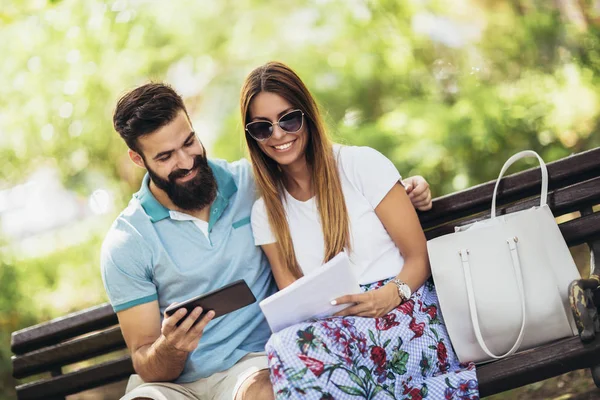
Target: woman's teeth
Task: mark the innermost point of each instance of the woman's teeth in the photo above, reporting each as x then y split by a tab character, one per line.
284	146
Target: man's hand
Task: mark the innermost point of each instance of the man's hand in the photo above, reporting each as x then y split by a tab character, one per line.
186	336
418	192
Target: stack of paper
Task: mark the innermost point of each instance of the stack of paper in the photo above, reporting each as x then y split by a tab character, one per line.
311	296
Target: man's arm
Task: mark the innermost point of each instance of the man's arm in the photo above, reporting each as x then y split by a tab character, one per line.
159	352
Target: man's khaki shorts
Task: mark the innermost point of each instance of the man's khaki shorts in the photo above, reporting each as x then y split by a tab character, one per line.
220	386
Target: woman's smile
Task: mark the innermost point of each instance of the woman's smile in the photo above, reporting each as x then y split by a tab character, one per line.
284	147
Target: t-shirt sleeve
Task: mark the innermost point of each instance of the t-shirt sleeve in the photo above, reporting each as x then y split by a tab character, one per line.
372	173
126	264
260	224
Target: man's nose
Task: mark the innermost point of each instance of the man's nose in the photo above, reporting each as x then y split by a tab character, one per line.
185	160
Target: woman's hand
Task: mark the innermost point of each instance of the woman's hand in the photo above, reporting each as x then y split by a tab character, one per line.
374	303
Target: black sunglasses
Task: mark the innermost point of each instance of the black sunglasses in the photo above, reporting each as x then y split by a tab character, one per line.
262	130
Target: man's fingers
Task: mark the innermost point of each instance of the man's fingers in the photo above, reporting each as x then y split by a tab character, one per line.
199	327
420	197
425	204
165	312
192	336
420	190
189	321
176	317
424	200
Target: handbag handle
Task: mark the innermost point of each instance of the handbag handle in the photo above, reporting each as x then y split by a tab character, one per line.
464	255
511	161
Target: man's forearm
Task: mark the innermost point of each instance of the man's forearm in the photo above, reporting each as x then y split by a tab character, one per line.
159	362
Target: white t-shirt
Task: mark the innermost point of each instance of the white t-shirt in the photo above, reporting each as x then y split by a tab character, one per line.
366	177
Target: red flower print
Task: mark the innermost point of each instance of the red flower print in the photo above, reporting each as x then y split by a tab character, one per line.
378	356
418	329
313	364
407	307
431	311
442	355
361	344
386	322
275	366
467	365
412	392
307	335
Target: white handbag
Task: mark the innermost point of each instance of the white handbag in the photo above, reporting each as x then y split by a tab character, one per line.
502	282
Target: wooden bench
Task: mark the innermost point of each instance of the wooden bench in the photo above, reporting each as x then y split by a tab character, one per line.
574	187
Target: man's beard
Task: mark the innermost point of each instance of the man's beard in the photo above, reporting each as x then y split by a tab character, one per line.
191	195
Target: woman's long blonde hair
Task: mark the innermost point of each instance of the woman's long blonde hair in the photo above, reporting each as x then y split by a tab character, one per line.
278	78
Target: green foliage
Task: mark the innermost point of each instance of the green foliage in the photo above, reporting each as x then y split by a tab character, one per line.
39	289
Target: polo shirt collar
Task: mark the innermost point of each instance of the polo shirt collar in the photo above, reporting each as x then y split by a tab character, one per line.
226	187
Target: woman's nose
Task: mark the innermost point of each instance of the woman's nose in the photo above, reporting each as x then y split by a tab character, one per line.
278	133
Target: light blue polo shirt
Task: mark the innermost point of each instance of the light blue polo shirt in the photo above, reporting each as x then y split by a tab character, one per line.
149	256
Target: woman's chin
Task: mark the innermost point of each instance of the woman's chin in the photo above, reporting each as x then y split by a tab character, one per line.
286	159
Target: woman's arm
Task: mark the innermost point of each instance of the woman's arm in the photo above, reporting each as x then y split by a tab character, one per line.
283	277
401	222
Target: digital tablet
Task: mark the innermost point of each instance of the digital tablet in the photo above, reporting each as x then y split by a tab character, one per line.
222	301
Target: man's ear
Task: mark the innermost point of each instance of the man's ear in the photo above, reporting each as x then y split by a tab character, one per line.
136	158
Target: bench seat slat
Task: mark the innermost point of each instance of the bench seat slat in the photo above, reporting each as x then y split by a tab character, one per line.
68	353
74	382
521	369
537	364
60	329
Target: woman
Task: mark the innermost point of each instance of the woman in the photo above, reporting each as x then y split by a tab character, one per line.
319	199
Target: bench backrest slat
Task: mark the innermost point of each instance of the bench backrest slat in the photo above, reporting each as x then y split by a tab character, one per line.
562	173
561	201
581	230
575	232
533	366
64	328
67	353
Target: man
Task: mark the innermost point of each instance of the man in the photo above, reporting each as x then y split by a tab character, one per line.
184	233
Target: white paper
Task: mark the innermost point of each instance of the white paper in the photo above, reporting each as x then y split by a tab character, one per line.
311	296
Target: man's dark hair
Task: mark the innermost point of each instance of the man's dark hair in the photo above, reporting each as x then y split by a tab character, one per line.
144	110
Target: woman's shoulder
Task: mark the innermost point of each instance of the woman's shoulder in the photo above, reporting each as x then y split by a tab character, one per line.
351	156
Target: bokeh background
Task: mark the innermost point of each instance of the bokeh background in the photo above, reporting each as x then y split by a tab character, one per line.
448	89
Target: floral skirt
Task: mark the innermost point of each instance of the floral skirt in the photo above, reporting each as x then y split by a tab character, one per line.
406	354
